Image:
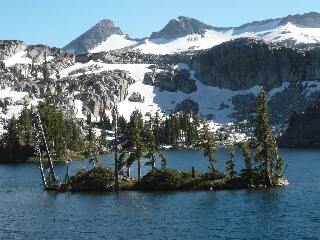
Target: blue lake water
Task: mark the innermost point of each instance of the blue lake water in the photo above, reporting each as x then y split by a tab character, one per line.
293	212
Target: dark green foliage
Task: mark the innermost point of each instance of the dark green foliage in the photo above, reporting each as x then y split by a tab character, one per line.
12	146
151	147
266	148
18	143
122	125
25	122
105	125
105	122
177	130
207	144
2	65
173	180
249	171
165	180
92	144
94	180
34	71
164	161
133	147
230	164
54	127
45	70
74	139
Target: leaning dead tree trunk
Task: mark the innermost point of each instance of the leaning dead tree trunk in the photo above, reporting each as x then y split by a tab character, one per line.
41	140
38	150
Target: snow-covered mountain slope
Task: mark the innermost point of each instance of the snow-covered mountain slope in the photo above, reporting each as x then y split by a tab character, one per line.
113	42
209	39
104	36
184	34
213	102
18	58
269	32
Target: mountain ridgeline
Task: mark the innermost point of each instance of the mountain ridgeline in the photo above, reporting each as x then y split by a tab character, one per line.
243	63
215	72
95	35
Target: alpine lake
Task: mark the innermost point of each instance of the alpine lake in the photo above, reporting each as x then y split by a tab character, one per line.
291	212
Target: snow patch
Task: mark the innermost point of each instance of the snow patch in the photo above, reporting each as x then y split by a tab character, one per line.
190	42
269	31
78	105
113	42
274	91
18	58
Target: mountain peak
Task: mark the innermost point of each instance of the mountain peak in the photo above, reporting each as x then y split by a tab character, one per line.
181	27
93	37
106	23
311	19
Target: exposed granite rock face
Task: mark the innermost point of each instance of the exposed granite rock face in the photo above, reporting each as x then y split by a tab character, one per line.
7	78
130	57
171	80
180	27
244	106
38	53
244	63
136	97
93	37
188	106
99	90
303	129
311	19
4	102
9	48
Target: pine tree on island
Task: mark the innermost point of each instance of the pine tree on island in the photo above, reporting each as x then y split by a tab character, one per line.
208	145
133	148
270	165
230	164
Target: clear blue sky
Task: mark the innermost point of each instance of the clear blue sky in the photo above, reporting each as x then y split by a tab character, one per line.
57	22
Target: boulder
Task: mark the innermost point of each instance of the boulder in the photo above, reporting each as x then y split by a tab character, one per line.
136	97
188	106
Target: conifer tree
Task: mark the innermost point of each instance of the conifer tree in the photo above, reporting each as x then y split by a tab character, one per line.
248	172
2	65
266	148
151	148
156	129
12	138
134	147
92	150
26	126
230	164
164	161
208	145
45	70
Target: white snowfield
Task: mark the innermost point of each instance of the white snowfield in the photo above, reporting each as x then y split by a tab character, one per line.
21	58
210	99
13	110
113	42
190	42
18	58
270	32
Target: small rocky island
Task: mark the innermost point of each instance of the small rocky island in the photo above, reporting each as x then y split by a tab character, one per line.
263	166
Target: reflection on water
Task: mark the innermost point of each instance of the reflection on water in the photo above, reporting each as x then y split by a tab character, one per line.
293	212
